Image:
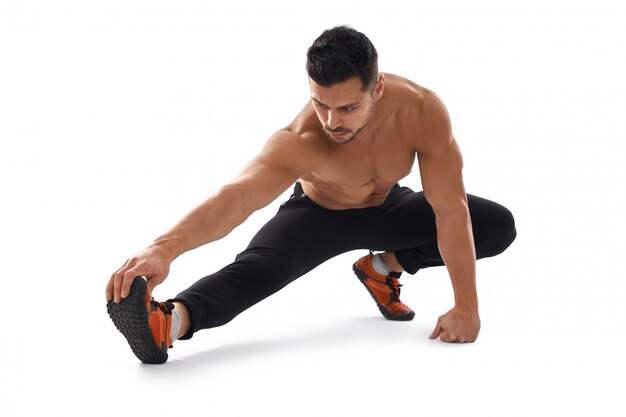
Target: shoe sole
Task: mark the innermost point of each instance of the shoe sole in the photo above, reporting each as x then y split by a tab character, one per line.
362	277
132	319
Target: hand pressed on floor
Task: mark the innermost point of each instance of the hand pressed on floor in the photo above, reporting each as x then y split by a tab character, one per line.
457	326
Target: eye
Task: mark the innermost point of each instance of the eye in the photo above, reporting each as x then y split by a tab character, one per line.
348	109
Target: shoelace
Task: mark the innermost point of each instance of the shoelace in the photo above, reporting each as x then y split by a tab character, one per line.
161	306
395	286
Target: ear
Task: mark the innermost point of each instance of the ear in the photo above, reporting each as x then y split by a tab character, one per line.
379	87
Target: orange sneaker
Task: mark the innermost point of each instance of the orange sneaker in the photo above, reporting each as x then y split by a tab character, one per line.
385	290
144	323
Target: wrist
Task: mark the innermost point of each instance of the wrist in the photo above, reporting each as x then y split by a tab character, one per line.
168	247
471	306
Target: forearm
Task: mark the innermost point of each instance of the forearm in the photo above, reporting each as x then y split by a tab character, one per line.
210	221
456	246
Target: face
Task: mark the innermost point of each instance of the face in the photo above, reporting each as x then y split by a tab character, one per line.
343	109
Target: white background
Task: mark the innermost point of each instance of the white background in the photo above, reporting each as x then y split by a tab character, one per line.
118	117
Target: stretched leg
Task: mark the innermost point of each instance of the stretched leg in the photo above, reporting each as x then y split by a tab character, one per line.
300	237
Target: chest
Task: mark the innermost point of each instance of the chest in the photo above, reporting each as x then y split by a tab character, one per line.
382	161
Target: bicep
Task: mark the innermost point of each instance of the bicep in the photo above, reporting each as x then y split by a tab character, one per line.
442	178
440	161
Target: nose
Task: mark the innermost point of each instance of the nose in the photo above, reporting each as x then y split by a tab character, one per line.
333	120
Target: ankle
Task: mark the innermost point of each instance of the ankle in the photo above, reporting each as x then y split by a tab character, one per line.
389	258
183	313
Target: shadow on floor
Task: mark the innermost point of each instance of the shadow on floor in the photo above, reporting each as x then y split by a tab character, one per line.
345	333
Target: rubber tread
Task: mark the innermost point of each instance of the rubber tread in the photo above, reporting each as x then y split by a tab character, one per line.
132	319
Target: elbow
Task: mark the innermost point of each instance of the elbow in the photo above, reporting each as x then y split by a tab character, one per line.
235	202
452	209
450	206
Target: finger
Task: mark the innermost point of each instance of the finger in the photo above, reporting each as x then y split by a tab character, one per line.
117	286
129	278
438	331
151	283
118	278
446	337
452	337
109	289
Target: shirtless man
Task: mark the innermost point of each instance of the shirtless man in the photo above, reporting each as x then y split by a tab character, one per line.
345	152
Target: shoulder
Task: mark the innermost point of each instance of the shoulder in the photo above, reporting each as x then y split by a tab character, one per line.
414	98
420	112
435	117
404	93
302	142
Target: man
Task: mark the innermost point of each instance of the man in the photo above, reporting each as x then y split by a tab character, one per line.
345	152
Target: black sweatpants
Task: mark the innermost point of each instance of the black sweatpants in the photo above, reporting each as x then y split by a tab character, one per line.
302	235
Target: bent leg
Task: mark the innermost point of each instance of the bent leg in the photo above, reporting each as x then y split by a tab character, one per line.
407	227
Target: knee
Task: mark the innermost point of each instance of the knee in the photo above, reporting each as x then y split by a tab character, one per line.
500	234
504	231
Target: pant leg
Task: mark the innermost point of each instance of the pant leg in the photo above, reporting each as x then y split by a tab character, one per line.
406	225
301	236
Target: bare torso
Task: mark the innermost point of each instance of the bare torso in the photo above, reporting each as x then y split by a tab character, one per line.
361	173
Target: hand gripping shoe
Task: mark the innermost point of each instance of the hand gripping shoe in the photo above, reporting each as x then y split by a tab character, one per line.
145	323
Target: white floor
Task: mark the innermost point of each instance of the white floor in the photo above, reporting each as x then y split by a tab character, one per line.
549	345
118	118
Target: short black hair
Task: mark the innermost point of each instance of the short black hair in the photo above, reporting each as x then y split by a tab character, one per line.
341	53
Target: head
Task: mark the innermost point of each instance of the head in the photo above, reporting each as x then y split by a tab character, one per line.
343	74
